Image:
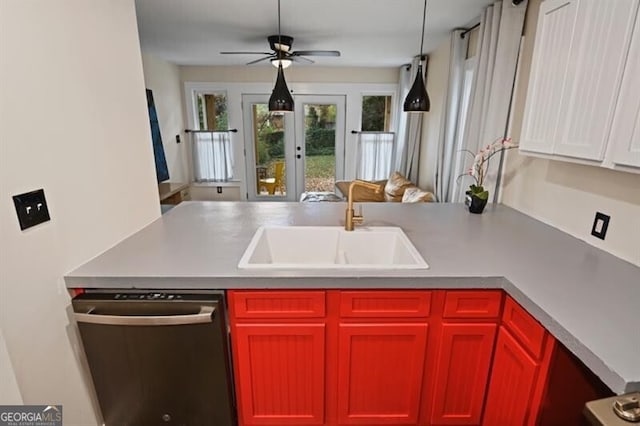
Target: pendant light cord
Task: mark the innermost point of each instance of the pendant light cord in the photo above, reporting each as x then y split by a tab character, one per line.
424	18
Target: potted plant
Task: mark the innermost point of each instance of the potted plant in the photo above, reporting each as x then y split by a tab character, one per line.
476	196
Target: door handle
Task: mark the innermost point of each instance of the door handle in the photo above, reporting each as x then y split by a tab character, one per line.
206	315
298	156
299	148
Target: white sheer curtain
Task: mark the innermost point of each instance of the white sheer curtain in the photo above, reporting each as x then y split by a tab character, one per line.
212	156
498	47
409	125
458	186
375	155
448	162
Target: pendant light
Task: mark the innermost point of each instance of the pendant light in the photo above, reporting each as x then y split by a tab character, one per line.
417	99
280	100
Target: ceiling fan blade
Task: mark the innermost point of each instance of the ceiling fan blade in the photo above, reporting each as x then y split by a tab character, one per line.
245	53
297	58
259	60
316	53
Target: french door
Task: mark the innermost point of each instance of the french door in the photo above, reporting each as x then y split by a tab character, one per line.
291	153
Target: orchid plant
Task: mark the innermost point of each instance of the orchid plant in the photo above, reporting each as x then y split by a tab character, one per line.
478	169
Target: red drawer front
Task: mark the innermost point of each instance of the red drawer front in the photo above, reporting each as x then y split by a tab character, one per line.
472	304
524	327
385	304
277	304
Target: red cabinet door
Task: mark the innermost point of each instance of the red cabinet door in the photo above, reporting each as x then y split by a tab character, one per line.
280	373
464	360
380	370
513	379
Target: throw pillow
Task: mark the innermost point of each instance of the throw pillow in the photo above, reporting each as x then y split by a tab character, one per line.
362	194
416	195
395	187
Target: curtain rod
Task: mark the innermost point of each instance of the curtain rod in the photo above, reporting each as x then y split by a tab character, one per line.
355	132
211	131
468	30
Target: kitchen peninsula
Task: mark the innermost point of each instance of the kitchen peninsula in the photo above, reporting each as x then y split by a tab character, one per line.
587	299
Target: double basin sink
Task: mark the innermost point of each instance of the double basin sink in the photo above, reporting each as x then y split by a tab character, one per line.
331	247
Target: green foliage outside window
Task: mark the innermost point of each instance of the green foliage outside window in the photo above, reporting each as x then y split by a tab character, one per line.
375	113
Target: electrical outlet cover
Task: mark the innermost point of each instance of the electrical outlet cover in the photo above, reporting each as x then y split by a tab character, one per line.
600	225
31	208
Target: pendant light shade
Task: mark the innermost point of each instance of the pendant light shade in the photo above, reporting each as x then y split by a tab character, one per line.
417	99
281	99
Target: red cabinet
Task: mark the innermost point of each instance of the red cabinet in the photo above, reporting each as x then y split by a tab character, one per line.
278	304
280	373
385	304
380	369
512	382
482	304
524	327
466	341
464	360
520	368
278	341
382	348
388	357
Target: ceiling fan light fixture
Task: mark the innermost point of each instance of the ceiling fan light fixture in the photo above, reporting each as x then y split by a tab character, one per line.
284	62
281	99
417	99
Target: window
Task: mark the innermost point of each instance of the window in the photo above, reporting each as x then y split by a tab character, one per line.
212	149
212	111
376	113
375	142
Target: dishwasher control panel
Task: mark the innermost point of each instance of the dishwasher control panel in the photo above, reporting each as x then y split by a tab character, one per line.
133	296
146	296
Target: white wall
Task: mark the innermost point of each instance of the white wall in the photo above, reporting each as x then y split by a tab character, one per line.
437	81
566	195
293	74
73	121
9	391
163	78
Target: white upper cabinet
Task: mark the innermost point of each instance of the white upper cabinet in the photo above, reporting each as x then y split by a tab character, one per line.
548	70
580	55
625	131
597	57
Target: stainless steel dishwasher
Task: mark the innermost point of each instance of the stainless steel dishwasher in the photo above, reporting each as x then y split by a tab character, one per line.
158	358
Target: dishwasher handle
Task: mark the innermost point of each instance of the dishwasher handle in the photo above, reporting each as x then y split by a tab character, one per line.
205	315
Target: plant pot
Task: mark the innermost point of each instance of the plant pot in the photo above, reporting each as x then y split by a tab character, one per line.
475	203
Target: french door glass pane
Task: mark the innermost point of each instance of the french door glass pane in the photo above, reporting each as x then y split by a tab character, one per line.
269	150
320	147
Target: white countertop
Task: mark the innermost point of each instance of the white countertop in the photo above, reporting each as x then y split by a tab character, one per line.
587	298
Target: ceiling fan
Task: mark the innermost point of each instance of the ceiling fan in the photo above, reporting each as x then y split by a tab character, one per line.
281	50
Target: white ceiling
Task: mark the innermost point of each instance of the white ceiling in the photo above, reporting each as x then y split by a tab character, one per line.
375	33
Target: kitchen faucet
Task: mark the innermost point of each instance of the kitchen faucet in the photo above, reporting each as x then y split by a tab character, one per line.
350	217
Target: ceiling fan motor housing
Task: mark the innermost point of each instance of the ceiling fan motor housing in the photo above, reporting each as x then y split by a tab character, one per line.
280	42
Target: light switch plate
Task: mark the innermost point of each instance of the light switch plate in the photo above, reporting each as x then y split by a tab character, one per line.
31	208
600	225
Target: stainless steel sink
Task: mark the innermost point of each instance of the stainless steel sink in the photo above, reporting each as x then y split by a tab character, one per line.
331	247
